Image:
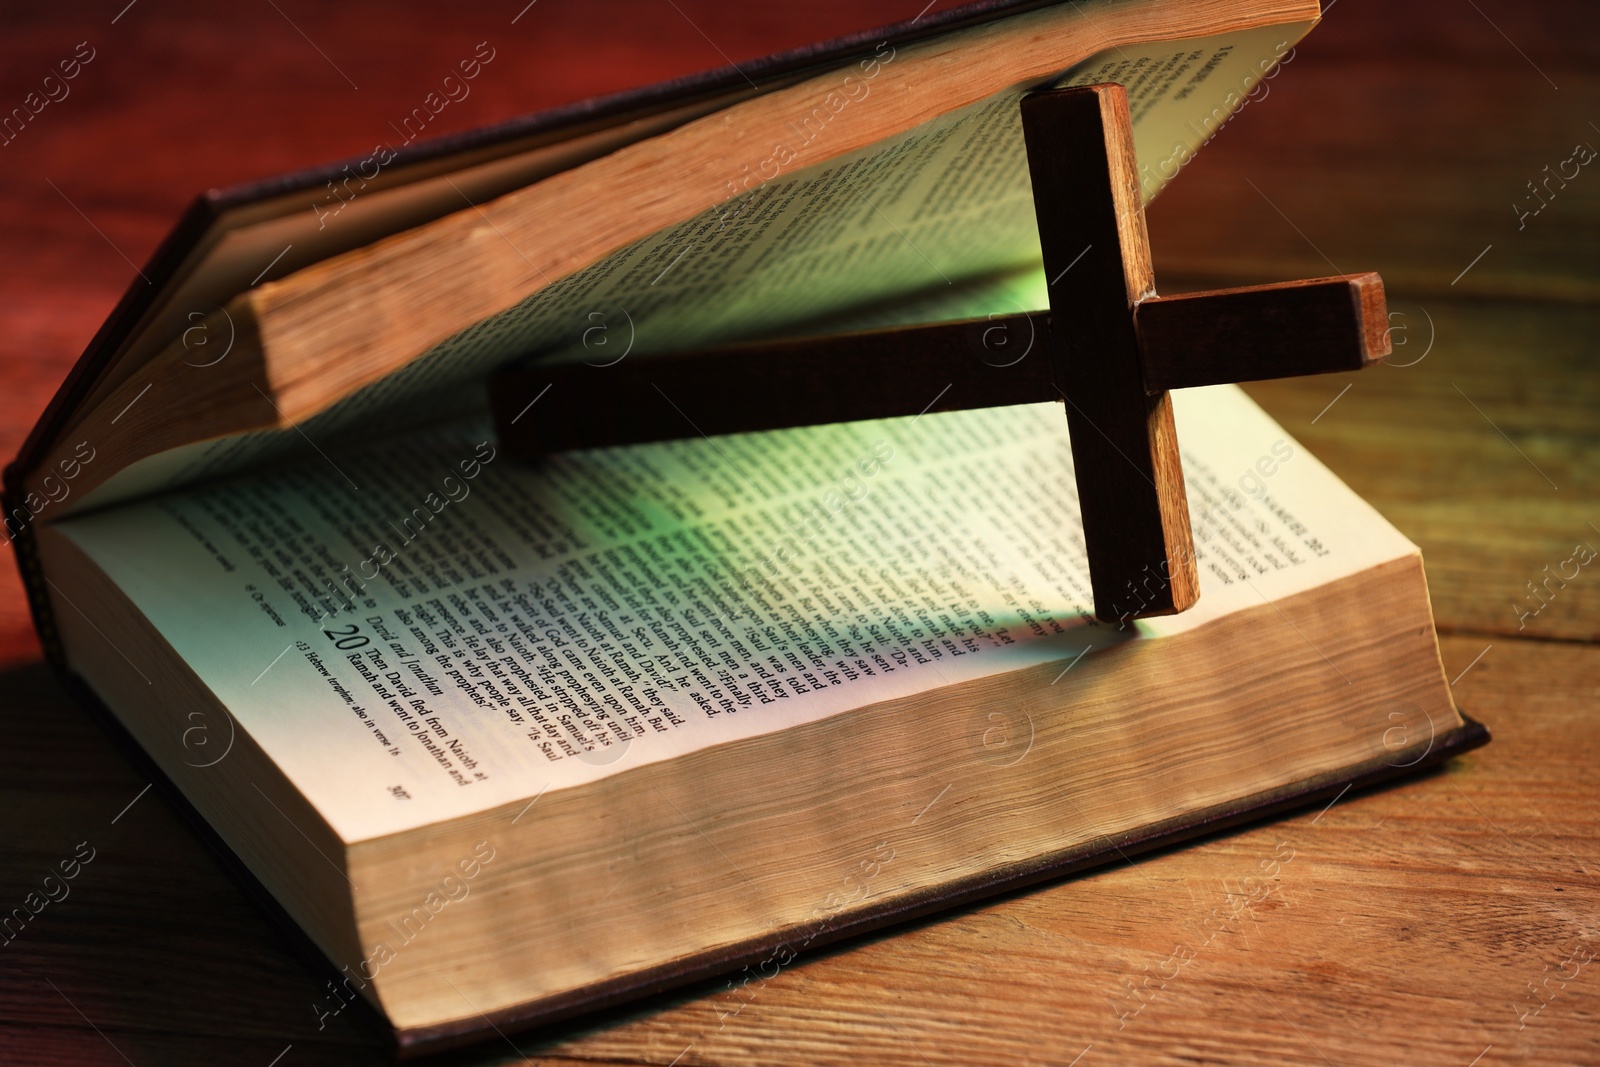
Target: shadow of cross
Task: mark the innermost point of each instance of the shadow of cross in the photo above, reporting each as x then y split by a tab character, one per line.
1115	349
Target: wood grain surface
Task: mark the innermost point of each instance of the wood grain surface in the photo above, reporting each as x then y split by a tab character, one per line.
1450	920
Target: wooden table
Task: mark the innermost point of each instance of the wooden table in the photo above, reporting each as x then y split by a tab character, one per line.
1412	925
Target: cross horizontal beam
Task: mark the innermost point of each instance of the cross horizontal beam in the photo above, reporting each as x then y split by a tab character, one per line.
1233	335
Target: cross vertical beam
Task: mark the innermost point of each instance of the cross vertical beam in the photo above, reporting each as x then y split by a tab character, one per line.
1097	261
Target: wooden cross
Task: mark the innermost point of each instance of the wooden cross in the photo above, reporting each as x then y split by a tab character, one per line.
1115	348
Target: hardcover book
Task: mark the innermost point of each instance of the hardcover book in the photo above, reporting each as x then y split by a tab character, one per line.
509	741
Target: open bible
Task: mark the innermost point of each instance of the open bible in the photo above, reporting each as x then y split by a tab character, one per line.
508	741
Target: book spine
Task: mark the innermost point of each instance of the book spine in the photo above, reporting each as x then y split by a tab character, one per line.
20	527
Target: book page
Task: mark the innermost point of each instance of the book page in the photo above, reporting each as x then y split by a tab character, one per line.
421	627
943	204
